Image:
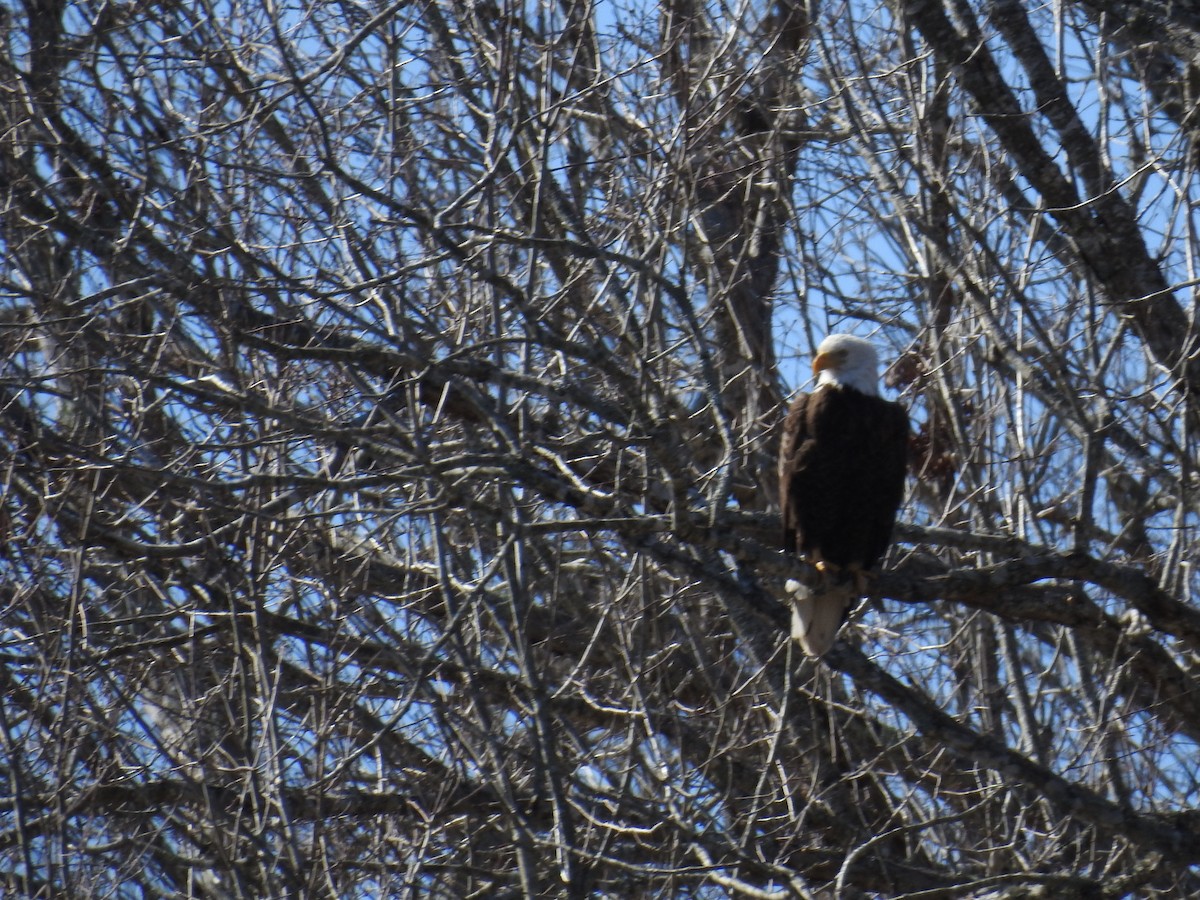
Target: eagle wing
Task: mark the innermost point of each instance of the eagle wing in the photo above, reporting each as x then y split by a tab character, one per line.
888	481
795	435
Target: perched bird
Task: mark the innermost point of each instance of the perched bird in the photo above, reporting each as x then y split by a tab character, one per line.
842	462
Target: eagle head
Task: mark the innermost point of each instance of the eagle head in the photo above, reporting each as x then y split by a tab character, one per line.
847	361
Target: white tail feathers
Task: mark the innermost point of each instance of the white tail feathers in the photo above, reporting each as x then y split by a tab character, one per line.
817	615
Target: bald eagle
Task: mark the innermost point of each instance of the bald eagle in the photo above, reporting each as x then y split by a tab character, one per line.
842	461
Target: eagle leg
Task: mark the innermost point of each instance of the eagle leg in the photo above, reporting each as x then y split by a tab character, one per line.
862	579
826	568
842	575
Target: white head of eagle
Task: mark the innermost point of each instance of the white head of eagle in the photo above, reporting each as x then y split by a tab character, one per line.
849	361
842	462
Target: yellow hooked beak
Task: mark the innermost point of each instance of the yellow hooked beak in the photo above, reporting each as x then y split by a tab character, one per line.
823	361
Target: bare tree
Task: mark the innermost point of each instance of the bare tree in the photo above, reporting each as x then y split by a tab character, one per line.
387	421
